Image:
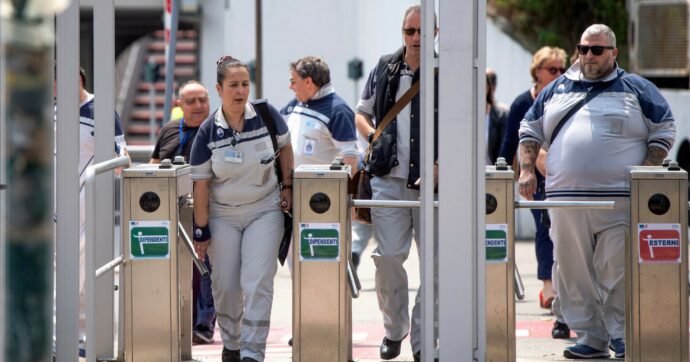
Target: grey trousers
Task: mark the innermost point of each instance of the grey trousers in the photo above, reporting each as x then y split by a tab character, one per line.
244	252
395	228
590	251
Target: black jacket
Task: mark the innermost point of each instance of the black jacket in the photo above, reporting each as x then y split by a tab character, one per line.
387	82
498	115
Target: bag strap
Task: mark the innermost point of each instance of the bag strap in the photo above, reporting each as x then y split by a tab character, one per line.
397	107
591	94
262	109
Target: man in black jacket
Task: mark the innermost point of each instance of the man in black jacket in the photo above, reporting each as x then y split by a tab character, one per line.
396	168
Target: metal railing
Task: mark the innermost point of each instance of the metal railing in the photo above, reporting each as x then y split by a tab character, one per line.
90	267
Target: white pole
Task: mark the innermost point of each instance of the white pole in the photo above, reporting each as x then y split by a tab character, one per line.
461	179
104	91
428	260
67	185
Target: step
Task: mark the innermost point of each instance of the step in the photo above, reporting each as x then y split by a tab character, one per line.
180	59
140	129
139	114
143	100
181	46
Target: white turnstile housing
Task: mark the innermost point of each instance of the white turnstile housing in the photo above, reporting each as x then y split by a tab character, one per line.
157	273
657	265
322	301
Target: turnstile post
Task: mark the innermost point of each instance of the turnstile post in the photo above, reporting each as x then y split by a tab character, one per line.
656	269
500	264
157	273
321	299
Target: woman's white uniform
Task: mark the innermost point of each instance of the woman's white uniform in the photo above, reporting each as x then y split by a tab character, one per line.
245	221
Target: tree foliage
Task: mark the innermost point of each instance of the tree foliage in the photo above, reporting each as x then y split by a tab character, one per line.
536	23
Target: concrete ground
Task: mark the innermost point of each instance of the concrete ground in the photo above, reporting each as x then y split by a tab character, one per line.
533	324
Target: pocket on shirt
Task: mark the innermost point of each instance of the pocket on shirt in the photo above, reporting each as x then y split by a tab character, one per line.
264	173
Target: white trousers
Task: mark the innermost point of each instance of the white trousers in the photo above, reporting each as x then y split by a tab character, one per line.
244	252
395	228
590	251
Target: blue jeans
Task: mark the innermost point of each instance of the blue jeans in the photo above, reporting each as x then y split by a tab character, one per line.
204	311
542	242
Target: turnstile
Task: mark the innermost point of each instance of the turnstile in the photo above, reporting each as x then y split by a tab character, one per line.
321	298
500	263
157	272
657	265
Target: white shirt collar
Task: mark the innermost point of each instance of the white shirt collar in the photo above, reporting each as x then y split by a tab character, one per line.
220	121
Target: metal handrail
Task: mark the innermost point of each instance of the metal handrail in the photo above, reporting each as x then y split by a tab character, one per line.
200	266
523	204
109	266
388	203
519	204
90	269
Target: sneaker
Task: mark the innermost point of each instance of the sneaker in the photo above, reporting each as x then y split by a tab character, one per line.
582	351
617	345
202	335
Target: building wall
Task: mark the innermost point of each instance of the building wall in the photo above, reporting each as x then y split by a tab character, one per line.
337	31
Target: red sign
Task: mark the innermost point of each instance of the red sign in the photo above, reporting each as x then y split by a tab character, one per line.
659	245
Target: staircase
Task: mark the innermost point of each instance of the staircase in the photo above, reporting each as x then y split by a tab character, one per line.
137	121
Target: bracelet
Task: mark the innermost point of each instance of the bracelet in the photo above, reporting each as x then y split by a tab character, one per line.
283	187
202	233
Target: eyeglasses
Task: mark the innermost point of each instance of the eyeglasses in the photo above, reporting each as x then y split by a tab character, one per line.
411	31
596	49
554	70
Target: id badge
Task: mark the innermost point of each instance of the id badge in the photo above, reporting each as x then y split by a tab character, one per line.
233	155
309	145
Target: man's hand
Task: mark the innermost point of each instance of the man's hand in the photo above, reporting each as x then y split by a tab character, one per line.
655	156
528	179
527	184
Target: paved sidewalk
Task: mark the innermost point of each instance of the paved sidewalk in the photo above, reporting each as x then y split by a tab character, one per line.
533	324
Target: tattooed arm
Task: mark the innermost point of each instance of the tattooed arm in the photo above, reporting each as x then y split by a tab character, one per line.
655	156
528	179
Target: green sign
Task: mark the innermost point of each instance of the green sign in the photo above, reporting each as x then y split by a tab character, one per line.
149	239
319	241
496	243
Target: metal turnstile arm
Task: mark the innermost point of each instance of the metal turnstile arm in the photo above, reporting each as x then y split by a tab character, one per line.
200	266
353	279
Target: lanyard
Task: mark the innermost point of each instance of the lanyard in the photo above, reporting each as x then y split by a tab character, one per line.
184	138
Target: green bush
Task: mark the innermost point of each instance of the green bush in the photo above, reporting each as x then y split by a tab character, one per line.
537	23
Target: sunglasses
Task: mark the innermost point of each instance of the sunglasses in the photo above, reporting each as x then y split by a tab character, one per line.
554	70
596	49
411	31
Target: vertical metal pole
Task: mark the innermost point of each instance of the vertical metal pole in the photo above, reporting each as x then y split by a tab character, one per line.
461	214
429	258
152	113
258	89
67	182
28	231
3	187
170	61
104	90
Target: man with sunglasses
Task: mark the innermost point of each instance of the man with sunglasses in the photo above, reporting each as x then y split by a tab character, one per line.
175	139
395	166
595	120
